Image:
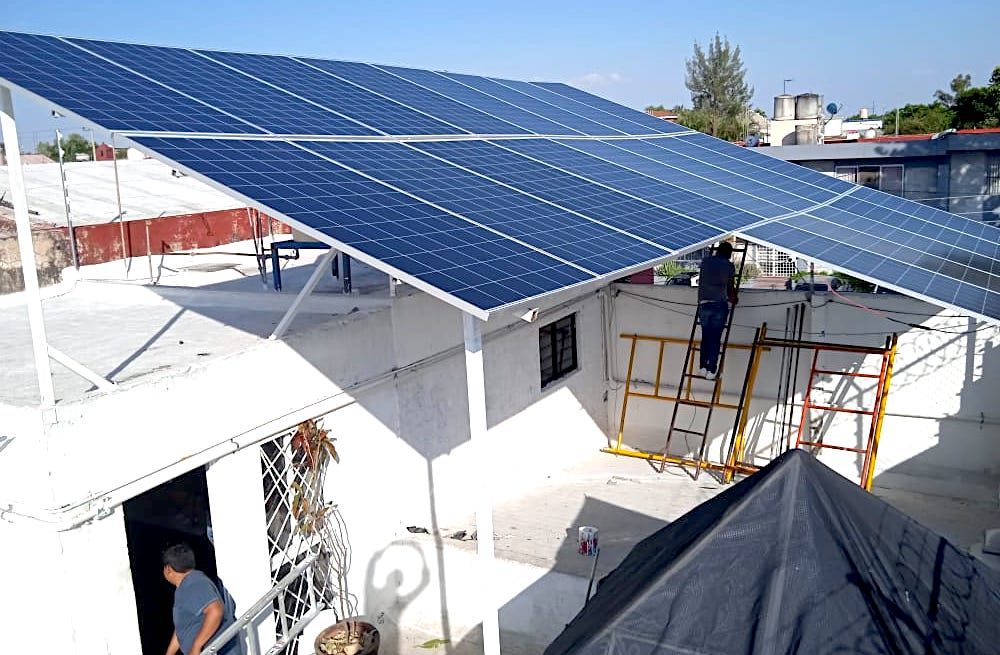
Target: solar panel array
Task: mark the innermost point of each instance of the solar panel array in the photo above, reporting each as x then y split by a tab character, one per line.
489	192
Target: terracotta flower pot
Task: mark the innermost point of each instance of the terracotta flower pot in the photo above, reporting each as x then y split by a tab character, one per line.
350	637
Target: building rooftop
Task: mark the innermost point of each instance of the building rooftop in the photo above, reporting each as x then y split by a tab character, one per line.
149	189
203	308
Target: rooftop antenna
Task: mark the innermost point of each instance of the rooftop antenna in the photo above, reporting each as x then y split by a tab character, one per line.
784	85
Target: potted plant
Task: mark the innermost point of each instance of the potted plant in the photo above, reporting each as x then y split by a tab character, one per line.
320	522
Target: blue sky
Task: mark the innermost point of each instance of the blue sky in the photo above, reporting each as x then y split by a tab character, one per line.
888	52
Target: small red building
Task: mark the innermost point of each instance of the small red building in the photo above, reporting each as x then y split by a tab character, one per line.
105	152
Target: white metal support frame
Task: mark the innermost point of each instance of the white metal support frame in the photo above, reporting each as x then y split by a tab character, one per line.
25	244
36	319
322	265
475	376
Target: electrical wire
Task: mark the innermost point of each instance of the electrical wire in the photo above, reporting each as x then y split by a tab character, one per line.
883	314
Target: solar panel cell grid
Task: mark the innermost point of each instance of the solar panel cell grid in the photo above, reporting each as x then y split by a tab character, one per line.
647	124
553	229
330	91
602	203
528	103
102	92
669	196
493	223
257	103
412	95
404	233
531	123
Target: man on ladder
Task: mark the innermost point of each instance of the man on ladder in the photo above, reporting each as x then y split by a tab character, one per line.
716	289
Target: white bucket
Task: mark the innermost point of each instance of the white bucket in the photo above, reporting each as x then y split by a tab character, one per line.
588	540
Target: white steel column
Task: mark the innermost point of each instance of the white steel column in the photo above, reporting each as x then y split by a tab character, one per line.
36	319
475	377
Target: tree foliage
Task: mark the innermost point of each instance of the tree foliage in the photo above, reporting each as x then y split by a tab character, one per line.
979	106
959	85
716	79
918	119
72	145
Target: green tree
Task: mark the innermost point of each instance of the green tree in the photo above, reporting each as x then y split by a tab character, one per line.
959	85
979	106
718	86
73	145
918	119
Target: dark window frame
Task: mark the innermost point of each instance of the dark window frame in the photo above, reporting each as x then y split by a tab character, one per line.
557	351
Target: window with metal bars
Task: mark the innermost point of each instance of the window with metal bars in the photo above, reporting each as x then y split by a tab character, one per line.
557	349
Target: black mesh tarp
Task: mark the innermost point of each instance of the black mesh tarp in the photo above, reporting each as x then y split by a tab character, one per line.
794	559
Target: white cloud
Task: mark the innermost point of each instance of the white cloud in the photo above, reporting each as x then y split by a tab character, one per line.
597	80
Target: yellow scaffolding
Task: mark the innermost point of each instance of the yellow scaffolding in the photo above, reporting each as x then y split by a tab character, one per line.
734	463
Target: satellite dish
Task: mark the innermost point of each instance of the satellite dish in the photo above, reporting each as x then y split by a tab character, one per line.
832	108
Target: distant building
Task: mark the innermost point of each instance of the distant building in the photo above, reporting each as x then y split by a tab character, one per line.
665	114
958	171
105	152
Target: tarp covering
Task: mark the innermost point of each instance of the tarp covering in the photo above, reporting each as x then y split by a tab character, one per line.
794	559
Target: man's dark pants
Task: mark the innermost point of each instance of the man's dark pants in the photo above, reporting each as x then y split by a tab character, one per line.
713	319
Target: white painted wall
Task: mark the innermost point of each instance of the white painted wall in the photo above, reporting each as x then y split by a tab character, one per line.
402	434
403	438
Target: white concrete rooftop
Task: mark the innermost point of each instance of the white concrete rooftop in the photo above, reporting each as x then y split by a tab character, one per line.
148	190
203	307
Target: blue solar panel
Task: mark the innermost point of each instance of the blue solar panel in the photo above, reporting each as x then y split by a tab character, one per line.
726	152
454	255
218	86
412	95
648	124
493	222
103	92
927	268
708	168
584	242
330	91
575	193
531	104
737	171
673	170
530	122
669	196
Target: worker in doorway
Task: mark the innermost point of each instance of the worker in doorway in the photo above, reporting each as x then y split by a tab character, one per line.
199	610
716	289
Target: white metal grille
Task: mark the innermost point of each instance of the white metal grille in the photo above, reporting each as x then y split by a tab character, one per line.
772	262
301	524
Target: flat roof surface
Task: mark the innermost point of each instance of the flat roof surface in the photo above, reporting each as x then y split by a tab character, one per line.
205	307
627	500
148	190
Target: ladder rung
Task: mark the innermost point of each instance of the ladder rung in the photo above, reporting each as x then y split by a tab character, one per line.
827	408
695	403
685	431
848	374
816	444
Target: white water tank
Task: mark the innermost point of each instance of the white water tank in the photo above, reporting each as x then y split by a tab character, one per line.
806	135
806	106
833	127
863	113
784	107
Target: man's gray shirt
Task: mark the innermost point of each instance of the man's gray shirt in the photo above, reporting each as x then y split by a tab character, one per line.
196	592
713	280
